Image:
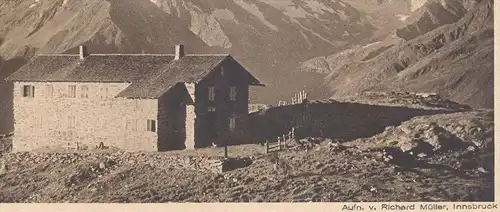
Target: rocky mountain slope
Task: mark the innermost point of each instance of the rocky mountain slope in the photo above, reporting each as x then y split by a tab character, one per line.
431	15
446	48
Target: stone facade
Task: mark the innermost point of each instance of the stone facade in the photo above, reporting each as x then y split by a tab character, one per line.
173	119
143	106
6	105
54	118
213	116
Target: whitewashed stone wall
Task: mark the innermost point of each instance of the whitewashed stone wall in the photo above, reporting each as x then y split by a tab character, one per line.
190	118
47	120
190	126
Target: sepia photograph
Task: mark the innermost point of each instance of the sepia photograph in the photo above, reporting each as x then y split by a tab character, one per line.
248	101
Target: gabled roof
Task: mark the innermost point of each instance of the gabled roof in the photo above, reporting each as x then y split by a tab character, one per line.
150	75
187	69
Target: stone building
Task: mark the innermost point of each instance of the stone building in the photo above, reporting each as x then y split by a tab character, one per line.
137	102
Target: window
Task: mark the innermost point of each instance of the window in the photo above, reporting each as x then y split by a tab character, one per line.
103	93
28	91
131	124
72	91
211	109
211	93
49	91
232	123
99	123
39	122
137	105
71	122
84	91
222	70
151	125
232	93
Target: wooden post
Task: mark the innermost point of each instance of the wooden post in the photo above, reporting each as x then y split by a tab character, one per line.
267	147
289	136
284	140
225	152
279	143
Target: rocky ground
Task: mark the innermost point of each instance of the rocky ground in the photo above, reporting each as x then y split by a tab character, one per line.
404	99
430	158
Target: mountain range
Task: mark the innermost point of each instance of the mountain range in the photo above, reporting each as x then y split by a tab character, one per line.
446	47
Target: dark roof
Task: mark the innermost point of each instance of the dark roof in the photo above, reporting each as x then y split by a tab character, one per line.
150	75
187	69
95	68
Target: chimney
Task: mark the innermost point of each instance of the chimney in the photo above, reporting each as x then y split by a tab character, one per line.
179	51
83	52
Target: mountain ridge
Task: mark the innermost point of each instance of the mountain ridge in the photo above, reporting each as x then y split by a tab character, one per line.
421	64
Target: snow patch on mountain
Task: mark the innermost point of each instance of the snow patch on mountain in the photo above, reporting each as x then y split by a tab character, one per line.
254	10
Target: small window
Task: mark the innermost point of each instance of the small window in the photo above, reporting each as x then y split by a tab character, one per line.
28	91
72	91
211	109
71	122
211	93
39	122
99	123
137	105
222	70
84	91
232	123
232	93
103	93
49	91
151	125
131	124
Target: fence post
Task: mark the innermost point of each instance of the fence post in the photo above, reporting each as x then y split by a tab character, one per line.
284	140
287	141
279	143
267	147
225	152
